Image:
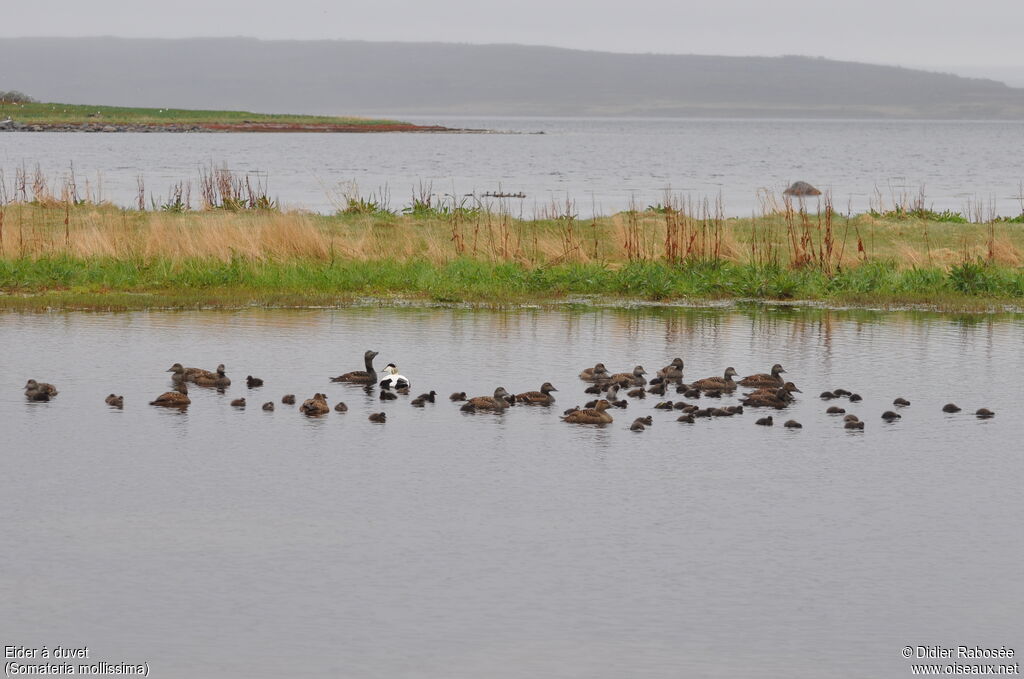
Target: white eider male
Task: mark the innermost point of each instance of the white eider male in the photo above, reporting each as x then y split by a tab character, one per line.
392	380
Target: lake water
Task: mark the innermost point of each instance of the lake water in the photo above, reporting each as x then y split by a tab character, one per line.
599	164
242	543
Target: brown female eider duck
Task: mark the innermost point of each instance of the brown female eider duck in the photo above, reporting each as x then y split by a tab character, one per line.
673	372
764	379
495	403
542	397
633	379
595	374
173	399
719	384
217	379
595	415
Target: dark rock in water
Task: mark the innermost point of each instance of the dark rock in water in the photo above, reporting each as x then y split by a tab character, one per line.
801	189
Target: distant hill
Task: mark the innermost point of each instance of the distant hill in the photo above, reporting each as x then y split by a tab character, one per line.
354	77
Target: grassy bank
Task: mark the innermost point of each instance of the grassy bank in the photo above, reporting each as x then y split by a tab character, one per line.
54	114
58	254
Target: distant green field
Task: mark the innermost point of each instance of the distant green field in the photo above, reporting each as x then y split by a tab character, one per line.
60	114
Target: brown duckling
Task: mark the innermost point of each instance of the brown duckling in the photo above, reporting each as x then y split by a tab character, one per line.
951	408
719	384
764	379
368	376
854	398
637	393
633	379
890	416
838	393
430	396
458	396
984	413
621	403
793	424
253	382
765	421
664	405
115	400
315	406
854	424
288	399
713	393
496	403
736	410
238	403
673	372
217	379
595	415
901	402
598	372
174	399
340	407
721	412
657	389
827	396
39	391
638	425
542	397
572	410
386	395
596	388
835	410
702	412
851	418
688	418
269	405
378	418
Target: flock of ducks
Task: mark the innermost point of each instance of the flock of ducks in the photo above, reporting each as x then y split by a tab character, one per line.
762	390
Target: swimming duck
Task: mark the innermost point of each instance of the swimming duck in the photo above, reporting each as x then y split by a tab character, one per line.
542	397
595	374
429	396
664	405
115	400
840	392
458	396
793	424
495	403
856	424
595	415
901	402
386	395
288	399
253	382
890	416
174	399
764	379
984	413
392	380
951	408
854	398
638	425
269	405
596	388
765	421
636	393
720	384
183	374
851	418
317	405
778	398
340	407
39	391
238	403
685	418
835	410
673	372
368	376
827	396
785	392
657	389
633	379
217	379
379	418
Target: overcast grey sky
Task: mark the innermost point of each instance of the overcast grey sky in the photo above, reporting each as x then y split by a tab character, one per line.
982	36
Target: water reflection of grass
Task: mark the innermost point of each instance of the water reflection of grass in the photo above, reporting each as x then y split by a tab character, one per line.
99	256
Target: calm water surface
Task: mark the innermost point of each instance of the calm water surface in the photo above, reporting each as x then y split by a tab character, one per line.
600	164
241	543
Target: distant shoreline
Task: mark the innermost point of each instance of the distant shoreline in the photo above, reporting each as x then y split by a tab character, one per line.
214	128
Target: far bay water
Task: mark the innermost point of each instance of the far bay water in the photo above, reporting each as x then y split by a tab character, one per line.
242	543
599	164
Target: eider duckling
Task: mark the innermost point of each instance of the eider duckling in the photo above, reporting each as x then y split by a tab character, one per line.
835	410
253	382
269	405
636	393
702	412
495	403
713	393
39	391
368	376
596	388
633	379
764	379
638	425
840	392
379	418
901	402
542	397
238	403
793	424
851	418
424	398
595	415
720	384
392	380
315	406
951	408
855	424
386	395
692	393
673	372
598	372
173	399
890	416
735	410
115	400
288	399
458	396
984	413
217	379
827	396
657	389
340	407
855	398
572	410
721	412
664	405
688	418
621	403
765	421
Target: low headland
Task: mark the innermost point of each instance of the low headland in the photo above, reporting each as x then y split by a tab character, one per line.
32	116
238	249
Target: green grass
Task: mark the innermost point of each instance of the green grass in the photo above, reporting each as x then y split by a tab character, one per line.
104	283
58	114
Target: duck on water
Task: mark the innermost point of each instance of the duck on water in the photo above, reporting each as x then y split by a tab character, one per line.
368	376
